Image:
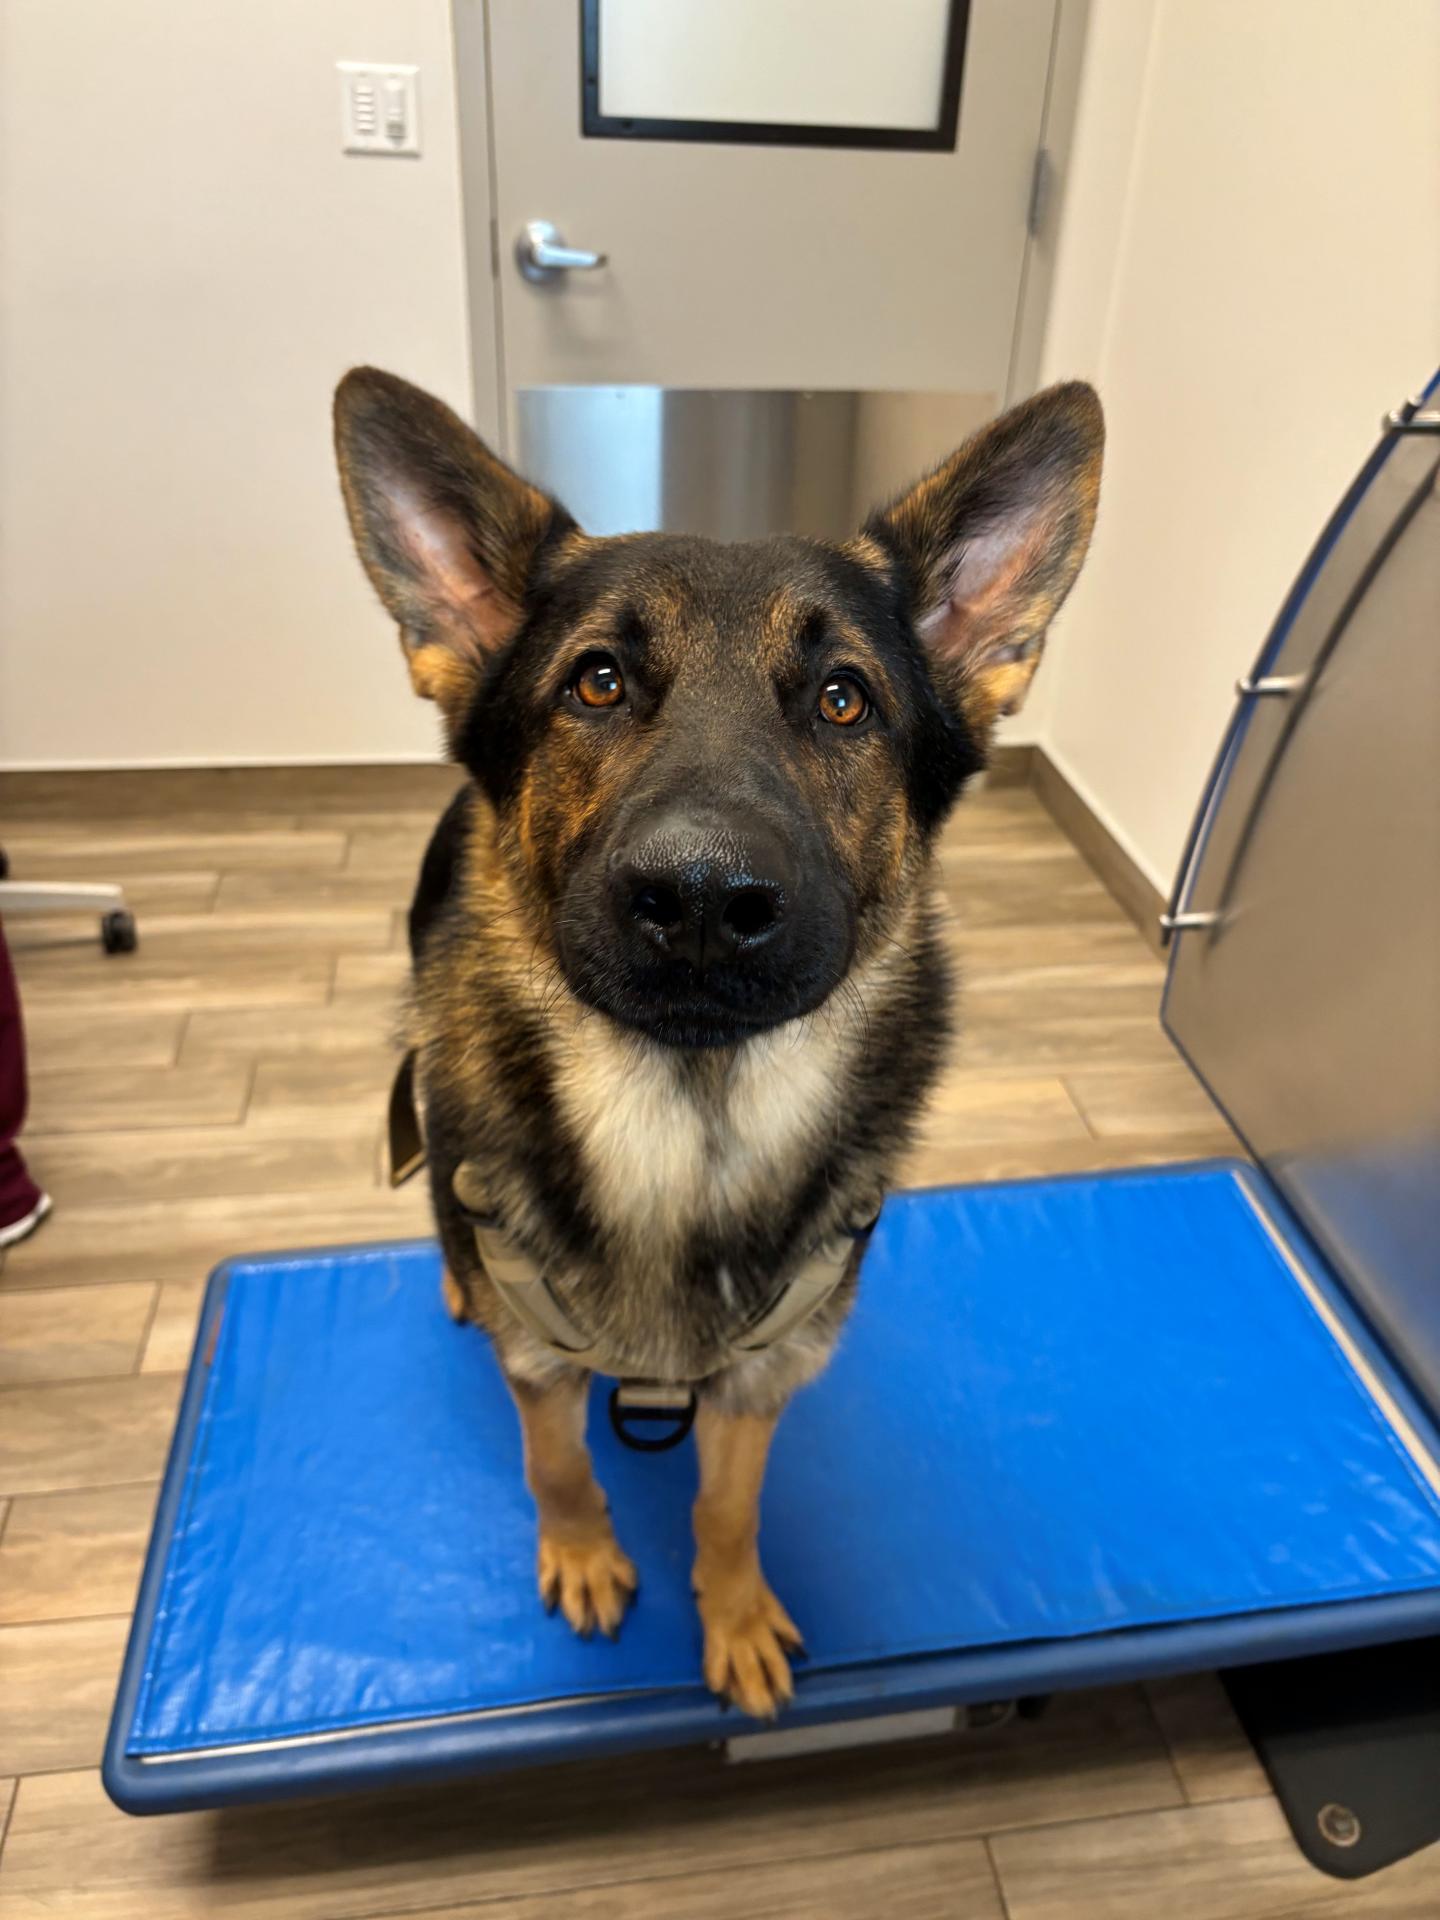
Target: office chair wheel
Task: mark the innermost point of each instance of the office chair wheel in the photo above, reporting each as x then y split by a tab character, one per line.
117	932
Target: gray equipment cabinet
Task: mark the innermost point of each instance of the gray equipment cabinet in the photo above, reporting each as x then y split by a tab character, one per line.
1304	989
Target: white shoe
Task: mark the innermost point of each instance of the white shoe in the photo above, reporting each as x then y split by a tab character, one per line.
22	1228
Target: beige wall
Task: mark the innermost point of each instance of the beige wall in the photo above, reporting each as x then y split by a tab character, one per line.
187	264
1250	271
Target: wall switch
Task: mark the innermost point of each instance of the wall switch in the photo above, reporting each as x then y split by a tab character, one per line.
379	108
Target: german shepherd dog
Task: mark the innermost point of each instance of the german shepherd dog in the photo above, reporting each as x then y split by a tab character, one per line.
678	993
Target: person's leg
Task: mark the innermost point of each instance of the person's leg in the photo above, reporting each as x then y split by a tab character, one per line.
22	1204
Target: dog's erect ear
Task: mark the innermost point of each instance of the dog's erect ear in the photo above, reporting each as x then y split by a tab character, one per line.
445	530
993	540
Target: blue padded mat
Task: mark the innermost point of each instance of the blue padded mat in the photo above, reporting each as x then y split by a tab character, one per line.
1060	1409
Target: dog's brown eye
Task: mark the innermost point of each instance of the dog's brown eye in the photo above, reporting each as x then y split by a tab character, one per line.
598	682
843	701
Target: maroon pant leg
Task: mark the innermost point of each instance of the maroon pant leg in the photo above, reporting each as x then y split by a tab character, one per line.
19	1194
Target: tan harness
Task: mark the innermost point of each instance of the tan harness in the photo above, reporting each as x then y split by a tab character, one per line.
522	1284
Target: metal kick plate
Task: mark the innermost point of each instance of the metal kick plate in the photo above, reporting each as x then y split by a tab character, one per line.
734	464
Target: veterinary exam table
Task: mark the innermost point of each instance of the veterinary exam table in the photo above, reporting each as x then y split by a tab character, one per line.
1078	1430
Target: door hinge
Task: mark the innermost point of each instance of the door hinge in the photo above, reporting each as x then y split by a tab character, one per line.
1042	181
494	248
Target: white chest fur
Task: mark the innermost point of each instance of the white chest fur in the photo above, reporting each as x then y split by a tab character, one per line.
667	1149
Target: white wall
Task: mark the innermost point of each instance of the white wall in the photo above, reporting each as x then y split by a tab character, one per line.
188	263
1249	269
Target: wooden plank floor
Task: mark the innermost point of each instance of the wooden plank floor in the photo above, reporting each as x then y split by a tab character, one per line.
222	1090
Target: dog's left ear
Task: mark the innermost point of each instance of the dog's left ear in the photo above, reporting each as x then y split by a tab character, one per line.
992	541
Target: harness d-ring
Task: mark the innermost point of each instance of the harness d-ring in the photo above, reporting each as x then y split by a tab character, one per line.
622	1416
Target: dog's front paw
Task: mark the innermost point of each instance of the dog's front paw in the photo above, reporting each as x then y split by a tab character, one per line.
591	1581
748	1636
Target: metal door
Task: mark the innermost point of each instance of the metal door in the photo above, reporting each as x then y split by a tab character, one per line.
720	273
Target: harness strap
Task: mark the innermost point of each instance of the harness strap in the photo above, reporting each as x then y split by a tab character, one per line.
803	1295
407	1142
521	1283
523	1287
525	1290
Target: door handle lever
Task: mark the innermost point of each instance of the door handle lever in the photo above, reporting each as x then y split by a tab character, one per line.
542	255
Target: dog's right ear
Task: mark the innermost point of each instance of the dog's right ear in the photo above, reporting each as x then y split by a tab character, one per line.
447	533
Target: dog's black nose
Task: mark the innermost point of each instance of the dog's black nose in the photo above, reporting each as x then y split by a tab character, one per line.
702	891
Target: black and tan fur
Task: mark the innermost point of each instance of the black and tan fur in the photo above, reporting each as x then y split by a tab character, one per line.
668	1144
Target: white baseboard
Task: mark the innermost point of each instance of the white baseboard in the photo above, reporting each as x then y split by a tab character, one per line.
1083	792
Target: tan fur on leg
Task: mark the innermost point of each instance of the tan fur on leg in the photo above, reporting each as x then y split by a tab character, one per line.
747	1632
579	1564
457	1301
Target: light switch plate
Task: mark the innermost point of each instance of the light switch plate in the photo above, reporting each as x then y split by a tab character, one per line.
379	108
